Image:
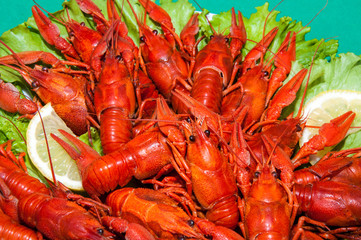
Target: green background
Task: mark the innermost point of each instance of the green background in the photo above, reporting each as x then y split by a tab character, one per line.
340	19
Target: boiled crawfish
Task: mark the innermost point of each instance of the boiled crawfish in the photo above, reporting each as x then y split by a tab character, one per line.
114	98
207	164
268	210
142	157
162	216
67	93
330	202
164	64
154	210
10	229
29	201
213	68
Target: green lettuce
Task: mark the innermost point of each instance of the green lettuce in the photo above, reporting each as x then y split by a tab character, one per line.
341	72
13	128
95	142
254	28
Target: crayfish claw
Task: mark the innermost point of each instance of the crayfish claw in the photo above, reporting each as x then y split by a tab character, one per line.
329	135
81	151
336	130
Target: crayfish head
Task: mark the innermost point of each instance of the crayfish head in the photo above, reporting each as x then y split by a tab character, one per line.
83	38
218	41
154	47
86	227
291	129
266	174
253	76
265	182
198	133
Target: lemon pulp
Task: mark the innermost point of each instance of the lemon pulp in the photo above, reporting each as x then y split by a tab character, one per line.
65	168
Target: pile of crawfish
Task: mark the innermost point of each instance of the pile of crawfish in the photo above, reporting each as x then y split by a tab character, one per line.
199	132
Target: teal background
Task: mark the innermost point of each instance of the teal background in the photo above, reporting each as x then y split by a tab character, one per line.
340	19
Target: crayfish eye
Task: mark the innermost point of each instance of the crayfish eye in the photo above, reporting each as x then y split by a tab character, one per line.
45	69
227	40
118	57
208	236
142	39
256	174
221	74
211	37
190	223
274	174
248	69
181	238
192	138
100	231
71	34
35	84
207	132
265	73
298	128
82	24
155	32
188	120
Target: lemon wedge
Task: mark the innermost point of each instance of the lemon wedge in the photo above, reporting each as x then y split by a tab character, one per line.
326	106
65	168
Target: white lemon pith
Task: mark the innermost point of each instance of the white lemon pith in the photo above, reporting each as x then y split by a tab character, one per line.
326	106
65	167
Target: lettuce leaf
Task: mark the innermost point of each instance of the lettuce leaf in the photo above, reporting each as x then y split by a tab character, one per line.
95	143
13	128
254	28
180	12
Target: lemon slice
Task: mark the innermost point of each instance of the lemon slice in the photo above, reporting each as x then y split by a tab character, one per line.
65	168
326	106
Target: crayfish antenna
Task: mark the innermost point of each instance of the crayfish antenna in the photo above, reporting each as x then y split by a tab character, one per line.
17	58
264	27
314	17
307	82
209	22
136	18
16	127
48	150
